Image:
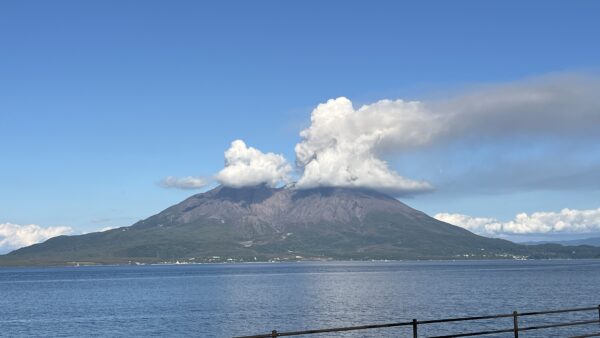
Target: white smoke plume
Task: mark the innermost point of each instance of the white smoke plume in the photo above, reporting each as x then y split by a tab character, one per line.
347	147
14	236
247	166
340	146
343	146
567	221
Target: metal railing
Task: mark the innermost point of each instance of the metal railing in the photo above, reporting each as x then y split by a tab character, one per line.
414	325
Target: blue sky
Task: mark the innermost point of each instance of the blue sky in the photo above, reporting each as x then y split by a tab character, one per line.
100	100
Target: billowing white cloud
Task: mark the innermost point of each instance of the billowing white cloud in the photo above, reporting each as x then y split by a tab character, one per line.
343	146
566	221
187	183
247	166
340	146
14	236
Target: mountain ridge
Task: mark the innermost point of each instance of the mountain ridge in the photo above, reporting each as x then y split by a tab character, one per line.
591	241
262	223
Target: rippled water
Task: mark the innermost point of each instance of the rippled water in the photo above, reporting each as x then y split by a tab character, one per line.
236	299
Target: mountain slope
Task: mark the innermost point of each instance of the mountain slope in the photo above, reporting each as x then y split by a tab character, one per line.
261	223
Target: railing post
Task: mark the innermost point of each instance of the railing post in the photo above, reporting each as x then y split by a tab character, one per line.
414	325
516	323
274	333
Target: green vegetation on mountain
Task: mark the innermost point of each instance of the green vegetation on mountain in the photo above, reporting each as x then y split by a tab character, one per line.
261	223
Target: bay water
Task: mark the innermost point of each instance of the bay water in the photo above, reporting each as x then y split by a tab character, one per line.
225	300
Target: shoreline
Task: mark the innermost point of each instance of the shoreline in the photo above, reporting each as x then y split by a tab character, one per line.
133	264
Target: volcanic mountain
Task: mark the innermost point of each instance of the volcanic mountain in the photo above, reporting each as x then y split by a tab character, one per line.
262	223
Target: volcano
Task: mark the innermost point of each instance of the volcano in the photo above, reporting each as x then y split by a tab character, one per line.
262	223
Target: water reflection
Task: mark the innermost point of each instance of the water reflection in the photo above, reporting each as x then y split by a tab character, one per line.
226	300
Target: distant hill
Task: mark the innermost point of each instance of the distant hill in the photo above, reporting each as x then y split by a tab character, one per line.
262	223
592	241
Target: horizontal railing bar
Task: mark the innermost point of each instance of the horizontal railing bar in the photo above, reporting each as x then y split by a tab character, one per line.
433	321
481	333
446	320
557	311
336	329
547	326
587	335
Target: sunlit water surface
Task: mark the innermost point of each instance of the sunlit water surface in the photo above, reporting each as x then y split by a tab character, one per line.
224	300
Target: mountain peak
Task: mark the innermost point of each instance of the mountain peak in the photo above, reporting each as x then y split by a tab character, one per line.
262	222
258	193
253	194
262	209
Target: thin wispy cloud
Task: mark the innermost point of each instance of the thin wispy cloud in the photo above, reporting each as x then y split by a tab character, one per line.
186	183
556	105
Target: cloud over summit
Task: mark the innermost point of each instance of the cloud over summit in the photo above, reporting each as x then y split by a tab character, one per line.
247	166
341	146
348	147
344	146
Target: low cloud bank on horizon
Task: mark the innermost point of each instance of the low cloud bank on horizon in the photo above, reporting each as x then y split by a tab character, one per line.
345	146
566	221
14	236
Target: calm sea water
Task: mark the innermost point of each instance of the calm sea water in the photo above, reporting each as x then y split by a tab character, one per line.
236	299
